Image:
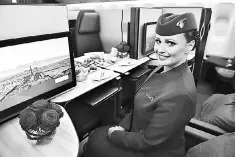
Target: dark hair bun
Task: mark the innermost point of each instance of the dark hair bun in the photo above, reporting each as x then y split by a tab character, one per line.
197	38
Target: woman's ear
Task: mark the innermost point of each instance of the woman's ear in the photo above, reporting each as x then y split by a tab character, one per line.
191	45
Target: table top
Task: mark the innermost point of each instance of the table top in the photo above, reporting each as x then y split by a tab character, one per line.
14	143
122	68
85	86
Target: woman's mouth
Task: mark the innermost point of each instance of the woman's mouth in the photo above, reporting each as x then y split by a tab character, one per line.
163	57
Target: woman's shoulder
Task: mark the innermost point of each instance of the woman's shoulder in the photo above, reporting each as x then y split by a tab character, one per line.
181	86
188	83
177	93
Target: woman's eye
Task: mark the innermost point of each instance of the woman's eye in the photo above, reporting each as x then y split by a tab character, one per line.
157	41
170	43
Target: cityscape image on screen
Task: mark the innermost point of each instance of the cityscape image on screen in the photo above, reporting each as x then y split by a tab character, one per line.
30	69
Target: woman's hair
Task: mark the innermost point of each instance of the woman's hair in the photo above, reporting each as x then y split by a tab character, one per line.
192	35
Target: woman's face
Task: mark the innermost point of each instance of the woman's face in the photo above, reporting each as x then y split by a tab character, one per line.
171	50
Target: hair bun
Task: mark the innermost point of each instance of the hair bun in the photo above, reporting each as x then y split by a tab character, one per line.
197	38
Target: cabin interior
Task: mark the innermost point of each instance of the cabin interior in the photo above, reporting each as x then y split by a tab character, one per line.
99	27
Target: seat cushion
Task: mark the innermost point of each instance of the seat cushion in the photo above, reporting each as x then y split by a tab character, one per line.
86	33
224	74
87	43
89	23
221	146
219	110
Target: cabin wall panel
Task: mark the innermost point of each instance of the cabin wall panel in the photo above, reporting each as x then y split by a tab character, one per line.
146	15
29	20
221	37
110	22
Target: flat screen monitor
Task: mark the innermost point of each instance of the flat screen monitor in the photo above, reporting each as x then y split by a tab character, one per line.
148	38
32	68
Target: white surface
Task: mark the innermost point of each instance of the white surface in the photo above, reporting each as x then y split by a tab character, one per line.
127	62
29	20
14	142
123	69
102	75
85	86
136	3
221	36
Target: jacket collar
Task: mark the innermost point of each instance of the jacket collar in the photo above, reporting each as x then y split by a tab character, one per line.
176	72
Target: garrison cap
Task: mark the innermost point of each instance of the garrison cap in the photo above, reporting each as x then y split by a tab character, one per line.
170	24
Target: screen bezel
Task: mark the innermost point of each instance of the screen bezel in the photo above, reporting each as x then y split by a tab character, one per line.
146	53
13	111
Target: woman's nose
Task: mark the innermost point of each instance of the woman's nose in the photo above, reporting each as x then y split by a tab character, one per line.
159	48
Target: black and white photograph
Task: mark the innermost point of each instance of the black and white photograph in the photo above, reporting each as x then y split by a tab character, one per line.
117	78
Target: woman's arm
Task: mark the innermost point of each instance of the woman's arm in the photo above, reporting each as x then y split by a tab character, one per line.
173	112
125	122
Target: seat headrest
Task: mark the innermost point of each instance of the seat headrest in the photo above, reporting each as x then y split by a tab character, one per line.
89	23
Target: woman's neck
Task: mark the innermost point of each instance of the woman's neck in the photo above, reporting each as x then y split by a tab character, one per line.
168	68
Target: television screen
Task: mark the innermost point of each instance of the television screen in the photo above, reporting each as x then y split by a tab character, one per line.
33	68
148	38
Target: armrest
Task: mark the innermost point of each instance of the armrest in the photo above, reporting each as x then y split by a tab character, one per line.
198	134
194	137
138	73
206	127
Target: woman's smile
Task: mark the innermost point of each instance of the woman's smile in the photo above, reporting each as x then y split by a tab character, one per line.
170	50
162	56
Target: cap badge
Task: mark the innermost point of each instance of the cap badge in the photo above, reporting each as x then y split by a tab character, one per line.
181	23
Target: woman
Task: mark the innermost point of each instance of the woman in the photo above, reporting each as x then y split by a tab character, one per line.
164	104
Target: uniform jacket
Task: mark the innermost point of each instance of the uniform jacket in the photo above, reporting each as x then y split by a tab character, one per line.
162	108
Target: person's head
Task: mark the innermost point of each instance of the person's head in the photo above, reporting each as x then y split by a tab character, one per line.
175	37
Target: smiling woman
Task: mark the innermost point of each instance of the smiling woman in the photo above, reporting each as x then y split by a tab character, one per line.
172	47
164	104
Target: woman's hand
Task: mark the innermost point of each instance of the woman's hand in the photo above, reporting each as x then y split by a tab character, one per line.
110	130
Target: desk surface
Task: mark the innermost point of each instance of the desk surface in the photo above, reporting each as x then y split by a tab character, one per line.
89	84
14	143
117	67
84	86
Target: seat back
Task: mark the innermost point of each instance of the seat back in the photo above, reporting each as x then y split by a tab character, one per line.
86	35
221	37
29	1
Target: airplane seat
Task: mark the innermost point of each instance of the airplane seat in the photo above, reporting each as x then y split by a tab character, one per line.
205	139
87	33
199	143
29	1
224	81
212	131
221	37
